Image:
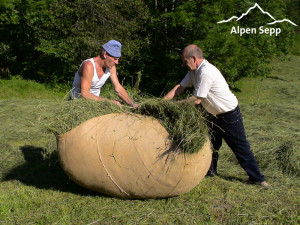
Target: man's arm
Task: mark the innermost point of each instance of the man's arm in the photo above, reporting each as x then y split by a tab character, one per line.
194	99
177	90
86	73
120	90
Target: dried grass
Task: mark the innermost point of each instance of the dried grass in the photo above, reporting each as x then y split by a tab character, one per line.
183	121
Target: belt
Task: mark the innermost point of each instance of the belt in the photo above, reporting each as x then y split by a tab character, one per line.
227	113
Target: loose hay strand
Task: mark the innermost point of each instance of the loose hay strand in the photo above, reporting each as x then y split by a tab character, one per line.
184	122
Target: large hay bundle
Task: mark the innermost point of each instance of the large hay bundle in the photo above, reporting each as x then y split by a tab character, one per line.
184	122
130	156
126	152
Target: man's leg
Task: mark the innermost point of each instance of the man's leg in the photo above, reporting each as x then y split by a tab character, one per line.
235	137
216	140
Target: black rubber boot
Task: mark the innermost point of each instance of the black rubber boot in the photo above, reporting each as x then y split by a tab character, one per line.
213	166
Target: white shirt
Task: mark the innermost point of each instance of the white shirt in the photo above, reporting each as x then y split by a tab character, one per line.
211	86
96	82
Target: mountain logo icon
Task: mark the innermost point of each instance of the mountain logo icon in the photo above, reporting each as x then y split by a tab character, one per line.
264	12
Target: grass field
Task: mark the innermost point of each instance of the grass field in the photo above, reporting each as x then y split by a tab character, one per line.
35	190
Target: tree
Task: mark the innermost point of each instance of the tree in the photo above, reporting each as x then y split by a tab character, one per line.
185	22
46	40
50	38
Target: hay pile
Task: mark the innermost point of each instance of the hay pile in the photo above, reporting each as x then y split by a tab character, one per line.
128	155
183	121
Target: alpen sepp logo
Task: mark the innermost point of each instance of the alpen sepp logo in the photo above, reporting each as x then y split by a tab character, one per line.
261	30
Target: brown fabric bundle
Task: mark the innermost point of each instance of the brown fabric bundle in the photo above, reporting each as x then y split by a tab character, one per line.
130	156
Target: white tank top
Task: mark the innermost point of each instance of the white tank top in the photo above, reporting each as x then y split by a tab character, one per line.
96	82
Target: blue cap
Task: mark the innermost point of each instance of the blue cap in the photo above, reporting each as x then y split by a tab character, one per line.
113	48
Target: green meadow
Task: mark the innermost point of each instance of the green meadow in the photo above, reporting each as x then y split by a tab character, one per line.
35	190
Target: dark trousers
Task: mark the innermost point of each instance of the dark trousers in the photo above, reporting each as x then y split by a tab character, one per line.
229	126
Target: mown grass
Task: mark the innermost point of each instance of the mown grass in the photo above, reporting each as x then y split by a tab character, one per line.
35	190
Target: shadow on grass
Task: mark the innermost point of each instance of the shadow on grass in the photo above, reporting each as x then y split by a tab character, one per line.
44	171
276	78
233	178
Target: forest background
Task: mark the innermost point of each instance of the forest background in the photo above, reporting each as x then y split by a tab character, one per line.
46	40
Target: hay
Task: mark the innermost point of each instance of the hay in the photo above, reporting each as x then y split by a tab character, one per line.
183	121
127	155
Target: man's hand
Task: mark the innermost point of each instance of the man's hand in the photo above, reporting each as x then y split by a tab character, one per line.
177	90
193	99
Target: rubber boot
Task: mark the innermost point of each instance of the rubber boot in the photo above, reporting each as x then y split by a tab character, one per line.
213	166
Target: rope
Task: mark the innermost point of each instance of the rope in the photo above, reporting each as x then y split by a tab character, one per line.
100	158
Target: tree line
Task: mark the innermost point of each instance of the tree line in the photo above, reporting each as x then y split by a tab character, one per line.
46	40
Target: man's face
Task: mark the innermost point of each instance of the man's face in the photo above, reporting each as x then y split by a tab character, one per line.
189	62
110	60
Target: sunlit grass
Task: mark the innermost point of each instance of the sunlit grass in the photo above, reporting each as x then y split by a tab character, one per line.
22	89
35	190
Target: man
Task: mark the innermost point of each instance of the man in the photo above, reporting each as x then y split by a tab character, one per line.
225	119
93	73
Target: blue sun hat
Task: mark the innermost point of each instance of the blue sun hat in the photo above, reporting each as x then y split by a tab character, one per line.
113	48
